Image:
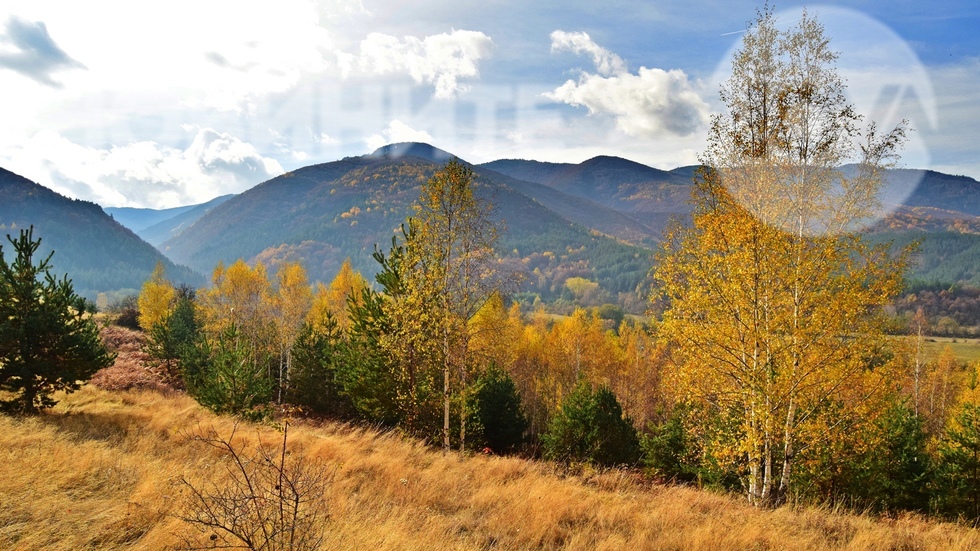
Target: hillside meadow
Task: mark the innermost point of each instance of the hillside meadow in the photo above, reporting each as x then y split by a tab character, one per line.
101	471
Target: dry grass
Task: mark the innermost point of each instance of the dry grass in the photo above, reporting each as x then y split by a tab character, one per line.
966	351
100	471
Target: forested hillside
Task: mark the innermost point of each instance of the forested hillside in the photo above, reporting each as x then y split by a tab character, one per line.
98	253
322	214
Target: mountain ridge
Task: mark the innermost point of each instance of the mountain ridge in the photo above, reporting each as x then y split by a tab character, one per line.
97	252
600	219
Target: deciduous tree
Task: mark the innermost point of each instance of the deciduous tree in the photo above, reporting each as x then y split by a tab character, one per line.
451	272
156	299
773	301
291	306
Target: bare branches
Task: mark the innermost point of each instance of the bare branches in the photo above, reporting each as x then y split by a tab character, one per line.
269	500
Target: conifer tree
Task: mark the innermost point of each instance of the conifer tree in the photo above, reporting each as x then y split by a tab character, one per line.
48	340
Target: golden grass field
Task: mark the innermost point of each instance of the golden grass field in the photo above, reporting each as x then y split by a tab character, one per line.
99	471
966	351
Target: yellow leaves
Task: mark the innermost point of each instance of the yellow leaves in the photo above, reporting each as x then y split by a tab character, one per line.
581	287
332	300
292	302
240	295
155	299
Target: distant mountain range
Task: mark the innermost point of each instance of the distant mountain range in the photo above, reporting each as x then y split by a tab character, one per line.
158	225
98	253
324	213
600	219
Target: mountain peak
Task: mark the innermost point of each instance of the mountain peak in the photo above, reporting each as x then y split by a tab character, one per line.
611	162
412	149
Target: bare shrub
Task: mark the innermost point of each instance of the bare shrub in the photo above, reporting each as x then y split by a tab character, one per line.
270	499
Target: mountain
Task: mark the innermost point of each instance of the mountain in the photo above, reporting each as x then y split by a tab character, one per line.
599	219
939	211
98	253
137	219
647	196
617	183
940	191
324	213
165	229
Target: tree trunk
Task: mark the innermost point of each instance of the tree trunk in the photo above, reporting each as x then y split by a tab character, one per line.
445	390
788	451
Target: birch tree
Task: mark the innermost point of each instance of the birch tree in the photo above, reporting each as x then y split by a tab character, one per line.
774	302
451	266
156	299
291	307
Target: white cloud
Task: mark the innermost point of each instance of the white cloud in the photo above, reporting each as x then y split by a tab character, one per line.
606	62
440	60
213	54
397	132
648	104
336	9
28	49
145	174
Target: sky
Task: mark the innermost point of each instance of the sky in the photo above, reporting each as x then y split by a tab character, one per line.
163	104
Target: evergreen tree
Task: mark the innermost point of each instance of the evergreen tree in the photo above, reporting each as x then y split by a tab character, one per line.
173	337
497	420
48	342
591	428
381	388
670	451
958	477
896	473
313	379
225	377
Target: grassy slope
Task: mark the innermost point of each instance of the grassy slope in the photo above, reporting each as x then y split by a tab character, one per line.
967	351
98	472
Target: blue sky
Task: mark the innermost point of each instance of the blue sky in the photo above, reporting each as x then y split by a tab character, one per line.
159	105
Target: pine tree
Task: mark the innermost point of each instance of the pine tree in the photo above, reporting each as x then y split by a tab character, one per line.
48	341
958	477
590	427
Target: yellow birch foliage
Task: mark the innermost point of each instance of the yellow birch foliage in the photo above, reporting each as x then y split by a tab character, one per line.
493	334
292	302
155	299
774	305
348	283
638	381
943	379
239	296
320	310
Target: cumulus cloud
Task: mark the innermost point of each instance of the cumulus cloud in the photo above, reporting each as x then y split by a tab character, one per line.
440	60
397	132
606	62
28	49
647	104
145	174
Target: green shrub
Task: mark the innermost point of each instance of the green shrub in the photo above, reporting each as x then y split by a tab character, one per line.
669	450
225	377
497	419
590	427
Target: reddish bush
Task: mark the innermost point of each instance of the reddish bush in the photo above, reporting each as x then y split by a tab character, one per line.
133	368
